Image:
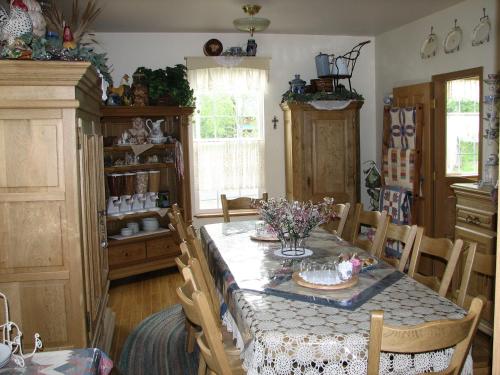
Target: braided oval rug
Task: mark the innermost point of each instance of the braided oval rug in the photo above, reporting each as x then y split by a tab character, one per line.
157	346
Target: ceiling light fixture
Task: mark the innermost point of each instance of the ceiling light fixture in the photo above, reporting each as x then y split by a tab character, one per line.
251	24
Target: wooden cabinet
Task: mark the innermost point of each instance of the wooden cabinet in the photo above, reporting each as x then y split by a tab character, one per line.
476	221
322	152
149	251
53	255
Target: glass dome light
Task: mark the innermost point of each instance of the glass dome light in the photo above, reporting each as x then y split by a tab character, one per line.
251	24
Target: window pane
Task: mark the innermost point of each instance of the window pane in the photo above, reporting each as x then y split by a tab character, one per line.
462	127
248	127
205	106
225	127
207	128
224	106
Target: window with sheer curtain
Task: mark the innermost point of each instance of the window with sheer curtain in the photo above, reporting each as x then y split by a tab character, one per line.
228	134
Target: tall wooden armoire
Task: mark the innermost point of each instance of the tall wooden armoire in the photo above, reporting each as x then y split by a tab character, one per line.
322	152
53	249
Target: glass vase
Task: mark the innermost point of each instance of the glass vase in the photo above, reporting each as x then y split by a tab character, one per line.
293	246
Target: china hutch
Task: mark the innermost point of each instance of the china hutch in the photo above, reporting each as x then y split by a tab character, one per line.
167	161
53	258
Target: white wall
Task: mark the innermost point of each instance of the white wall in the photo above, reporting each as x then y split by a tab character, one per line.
290	54
398	61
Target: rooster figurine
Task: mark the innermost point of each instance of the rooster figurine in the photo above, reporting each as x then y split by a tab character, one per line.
15	24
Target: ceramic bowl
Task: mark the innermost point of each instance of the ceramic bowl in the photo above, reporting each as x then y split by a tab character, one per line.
125	232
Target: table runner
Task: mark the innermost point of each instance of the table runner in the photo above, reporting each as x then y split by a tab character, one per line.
290	336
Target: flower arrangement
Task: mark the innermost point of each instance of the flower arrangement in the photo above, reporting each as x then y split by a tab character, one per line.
292	222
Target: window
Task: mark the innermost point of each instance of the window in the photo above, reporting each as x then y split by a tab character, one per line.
228	135
462	127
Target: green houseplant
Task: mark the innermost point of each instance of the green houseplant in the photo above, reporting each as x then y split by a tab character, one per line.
169	85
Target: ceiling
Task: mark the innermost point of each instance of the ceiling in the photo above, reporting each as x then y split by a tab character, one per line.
316	17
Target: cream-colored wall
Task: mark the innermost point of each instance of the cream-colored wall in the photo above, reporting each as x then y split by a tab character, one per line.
290	54
397	52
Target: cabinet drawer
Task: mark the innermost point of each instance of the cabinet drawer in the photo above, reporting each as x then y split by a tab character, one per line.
162	247
481	220
124	254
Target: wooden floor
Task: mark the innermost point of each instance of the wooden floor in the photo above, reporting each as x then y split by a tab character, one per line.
135	298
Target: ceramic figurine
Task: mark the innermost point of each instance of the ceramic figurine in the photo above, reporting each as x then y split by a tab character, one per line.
37	18
123	91
140	95
16	23
139	131
68	39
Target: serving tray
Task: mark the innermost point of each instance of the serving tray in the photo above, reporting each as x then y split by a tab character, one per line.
344	285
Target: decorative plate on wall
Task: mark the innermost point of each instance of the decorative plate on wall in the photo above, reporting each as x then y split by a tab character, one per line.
429	46
453	39
212	48
481	32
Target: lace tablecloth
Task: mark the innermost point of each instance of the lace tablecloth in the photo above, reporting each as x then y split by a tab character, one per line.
287	335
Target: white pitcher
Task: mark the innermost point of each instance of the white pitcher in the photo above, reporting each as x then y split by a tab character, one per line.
154	128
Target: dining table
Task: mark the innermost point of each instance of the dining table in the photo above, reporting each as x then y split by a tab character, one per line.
284	328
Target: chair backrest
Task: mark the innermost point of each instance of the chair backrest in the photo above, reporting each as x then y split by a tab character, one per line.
441	248
201	282
210	342
375	219
240	203
177	224
185	294
424	337
405	235
482	264
337	225
182	261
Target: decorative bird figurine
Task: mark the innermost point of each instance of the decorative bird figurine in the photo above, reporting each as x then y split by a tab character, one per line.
15	24
37	18
68	39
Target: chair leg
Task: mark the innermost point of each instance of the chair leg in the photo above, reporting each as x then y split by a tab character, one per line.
202	366
191	337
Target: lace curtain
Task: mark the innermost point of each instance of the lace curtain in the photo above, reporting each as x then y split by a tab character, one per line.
232	166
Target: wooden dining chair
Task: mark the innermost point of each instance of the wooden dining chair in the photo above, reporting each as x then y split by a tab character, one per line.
481	264
218	360
404	235
185	294
337	225
177	224
373	219
241	203
441	248
424	337
196	249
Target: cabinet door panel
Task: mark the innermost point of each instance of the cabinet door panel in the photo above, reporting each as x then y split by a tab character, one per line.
92	190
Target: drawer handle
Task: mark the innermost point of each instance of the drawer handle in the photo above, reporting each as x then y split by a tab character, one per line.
472	220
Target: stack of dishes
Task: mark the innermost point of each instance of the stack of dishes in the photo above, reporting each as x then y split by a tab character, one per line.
150	224
5	354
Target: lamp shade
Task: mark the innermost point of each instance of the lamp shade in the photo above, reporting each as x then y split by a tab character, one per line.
252	23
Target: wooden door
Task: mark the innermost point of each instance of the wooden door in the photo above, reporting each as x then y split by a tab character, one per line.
443	179
93	224
331	155
409	96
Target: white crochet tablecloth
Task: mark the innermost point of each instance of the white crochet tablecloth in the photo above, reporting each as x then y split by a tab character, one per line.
287	335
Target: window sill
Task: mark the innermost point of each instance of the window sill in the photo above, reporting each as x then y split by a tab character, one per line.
245	212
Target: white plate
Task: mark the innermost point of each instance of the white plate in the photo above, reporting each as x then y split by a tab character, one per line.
453	40
429	46
481	32
5	354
